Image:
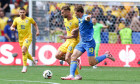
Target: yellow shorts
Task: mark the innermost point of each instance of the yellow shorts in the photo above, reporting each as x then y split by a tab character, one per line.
68	46
25	43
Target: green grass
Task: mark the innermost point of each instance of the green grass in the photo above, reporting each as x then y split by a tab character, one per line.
101	75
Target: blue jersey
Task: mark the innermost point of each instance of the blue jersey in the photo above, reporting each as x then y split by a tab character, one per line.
10	33
86	29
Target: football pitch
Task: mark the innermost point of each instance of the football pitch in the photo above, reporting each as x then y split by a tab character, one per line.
101	75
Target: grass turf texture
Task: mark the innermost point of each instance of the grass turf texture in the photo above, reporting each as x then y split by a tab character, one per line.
101	75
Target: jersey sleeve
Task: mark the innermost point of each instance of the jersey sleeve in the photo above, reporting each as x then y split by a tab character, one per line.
32	21
15	22
5	30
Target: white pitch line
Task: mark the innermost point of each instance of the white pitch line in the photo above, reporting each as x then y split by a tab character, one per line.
30	81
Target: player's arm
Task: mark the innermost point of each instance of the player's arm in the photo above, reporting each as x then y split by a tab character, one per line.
13	25
67	37
88	18
105	26
74	33
36	27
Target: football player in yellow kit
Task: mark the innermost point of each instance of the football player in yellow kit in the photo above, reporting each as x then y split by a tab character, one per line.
23	24
66	49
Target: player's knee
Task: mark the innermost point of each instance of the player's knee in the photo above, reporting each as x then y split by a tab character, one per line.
23	52
57	56
92	63
67	59
73	58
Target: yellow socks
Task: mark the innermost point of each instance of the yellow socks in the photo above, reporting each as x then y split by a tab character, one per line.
29	56
76	72
24	57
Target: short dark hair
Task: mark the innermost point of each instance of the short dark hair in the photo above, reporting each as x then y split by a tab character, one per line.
79	9
22	8
65	8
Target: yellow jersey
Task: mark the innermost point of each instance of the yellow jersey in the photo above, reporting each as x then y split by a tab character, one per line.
70	25
24	28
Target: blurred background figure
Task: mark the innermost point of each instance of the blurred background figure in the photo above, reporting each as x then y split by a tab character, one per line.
10	36
4	4
15	11
126	35
3	22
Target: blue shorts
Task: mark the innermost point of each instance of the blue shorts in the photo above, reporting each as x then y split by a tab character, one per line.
88	46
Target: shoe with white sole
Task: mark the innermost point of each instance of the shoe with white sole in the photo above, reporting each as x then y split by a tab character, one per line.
24	70
70	77
94	67
78	77
110	56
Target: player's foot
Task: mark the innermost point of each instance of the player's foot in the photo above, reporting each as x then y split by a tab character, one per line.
78	77
70	77
24	70
61	62
79	65
110	56
94	67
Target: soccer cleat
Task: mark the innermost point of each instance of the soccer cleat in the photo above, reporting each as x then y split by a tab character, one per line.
79	65
78	77
24	70
61	62
70	77
94	67
110	56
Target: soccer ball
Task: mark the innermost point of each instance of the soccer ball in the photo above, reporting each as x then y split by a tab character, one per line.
47	74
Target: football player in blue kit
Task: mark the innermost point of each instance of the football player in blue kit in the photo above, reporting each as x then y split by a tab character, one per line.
86	43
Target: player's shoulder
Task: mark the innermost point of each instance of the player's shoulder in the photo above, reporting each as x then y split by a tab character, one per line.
17	18
29	18
75	19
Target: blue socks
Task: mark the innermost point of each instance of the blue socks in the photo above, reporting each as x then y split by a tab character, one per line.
100	58
73	66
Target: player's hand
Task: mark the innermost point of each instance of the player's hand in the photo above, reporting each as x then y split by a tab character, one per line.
13	29
62	37
37	33
74	32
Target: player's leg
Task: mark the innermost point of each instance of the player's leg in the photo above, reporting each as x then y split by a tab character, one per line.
60	55
78	51
26	54
27	43
90	46
73	65
95	60
24	57
68	59
96	52
31	58
91	56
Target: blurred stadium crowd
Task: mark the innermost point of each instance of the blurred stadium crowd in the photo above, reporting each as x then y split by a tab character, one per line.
8	12
48	17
